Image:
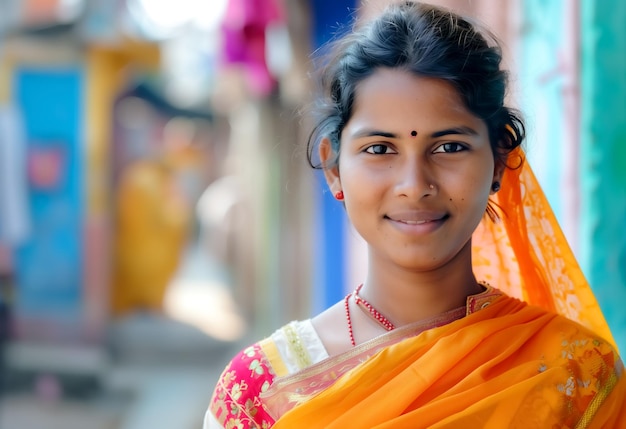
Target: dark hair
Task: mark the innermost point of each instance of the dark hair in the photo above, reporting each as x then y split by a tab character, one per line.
427	41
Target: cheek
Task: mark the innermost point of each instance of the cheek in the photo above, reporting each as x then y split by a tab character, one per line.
470	191
476	177
359	179
363	190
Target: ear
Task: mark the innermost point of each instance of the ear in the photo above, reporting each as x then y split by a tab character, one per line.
498	172
330	164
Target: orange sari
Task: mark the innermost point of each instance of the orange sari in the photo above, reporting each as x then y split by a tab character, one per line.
509	365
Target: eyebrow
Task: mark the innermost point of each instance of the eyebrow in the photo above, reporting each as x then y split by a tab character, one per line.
374	133
455	130
462	130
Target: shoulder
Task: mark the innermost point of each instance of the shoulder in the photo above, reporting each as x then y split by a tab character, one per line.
294	347
236	394
555	333
575	374
251	372
561	345
563	340
590	366
573	339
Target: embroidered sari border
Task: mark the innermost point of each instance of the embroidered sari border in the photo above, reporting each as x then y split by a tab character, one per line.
598	400
382	340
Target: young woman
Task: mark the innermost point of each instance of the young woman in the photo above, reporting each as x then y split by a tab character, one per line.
415	140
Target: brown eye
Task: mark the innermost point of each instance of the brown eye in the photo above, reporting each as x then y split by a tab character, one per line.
450	148
379	149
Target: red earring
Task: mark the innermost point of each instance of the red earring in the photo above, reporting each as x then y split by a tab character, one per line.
339	195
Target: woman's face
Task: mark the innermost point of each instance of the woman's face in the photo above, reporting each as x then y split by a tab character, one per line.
416	169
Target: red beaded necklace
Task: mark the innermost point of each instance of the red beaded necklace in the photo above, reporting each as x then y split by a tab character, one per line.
382	320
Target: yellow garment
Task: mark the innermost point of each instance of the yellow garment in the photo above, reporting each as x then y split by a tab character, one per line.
507	366
151	231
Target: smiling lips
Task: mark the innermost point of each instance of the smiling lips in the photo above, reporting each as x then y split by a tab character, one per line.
417	221
417	217
414	222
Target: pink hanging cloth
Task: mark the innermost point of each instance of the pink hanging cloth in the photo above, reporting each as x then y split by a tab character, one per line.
244	39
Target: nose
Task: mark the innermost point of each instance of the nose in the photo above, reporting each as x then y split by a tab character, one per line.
414	180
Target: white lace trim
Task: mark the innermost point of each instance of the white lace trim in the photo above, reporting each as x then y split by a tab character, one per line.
299	345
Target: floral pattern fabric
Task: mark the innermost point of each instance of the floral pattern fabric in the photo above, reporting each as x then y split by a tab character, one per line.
236	403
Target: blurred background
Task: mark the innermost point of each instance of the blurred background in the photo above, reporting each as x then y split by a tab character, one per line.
157	212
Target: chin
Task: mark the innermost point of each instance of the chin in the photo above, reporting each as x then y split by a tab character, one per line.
420	264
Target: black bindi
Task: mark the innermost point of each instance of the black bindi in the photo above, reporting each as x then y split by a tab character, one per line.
413	133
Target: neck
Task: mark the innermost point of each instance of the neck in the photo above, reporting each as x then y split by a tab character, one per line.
406	296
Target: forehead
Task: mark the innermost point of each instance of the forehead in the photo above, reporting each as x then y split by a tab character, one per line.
396	97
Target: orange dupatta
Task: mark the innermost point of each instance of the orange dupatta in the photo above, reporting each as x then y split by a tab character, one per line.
526	255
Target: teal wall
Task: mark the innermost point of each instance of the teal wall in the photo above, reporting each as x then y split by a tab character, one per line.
572	72
603	156
542	80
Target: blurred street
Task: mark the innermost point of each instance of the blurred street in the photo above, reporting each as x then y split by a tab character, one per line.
156	372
